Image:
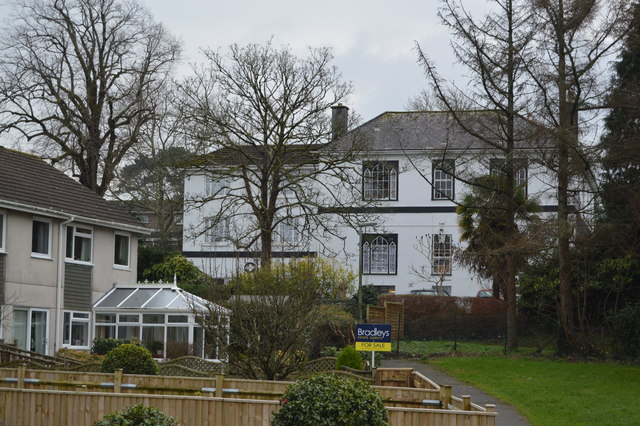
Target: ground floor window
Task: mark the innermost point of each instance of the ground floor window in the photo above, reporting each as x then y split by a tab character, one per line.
75	332
30	329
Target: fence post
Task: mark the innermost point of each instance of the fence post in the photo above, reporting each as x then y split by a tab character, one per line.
219	384
445	396
466	402
22	371
117	380
491	408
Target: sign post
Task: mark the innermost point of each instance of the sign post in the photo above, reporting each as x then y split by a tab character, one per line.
373	337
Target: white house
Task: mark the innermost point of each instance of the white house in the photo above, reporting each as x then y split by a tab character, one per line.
409	178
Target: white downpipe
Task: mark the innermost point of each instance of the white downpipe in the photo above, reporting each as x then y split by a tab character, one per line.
57	344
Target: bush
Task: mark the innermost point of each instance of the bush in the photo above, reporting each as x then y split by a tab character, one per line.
626	333
133	359
104	346
137	415
349	357
330	400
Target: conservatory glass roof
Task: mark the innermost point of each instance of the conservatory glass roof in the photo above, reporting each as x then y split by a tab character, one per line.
151	296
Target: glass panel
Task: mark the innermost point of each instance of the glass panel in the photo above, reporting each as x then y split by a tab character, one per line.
153	339
198	342
153	318
115	298
39	331
67	325
80	315
105	318
162	299
129	318
69	242
121	255
40	237
82	249
177	334
139	298
1	231
178	318
80	334
20	328
105	332
128	331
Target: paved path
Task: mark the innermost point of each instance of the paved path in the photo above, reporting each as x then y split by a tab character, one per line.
507	415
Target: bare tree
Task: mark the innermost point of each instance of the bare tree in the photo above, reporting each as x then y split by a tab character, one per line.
264	113
78	79
153	180
495	50
573	39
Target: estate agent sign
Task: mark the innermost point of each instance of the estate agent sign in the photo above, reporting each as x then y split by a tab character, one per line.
373	337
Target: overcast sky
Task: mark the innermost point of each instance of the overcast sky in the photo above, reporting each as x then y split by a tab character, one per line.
373	41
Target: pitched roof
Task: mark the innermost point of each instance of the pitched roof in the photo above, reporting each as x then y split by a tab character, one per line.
28	181
429	130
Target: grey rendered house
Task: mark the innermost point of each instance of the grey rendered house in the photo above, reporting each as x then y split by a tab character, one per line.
62	247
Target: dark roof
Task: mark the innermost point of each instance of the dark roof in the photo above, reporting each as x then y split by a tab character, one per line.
250	155
427	130
27	180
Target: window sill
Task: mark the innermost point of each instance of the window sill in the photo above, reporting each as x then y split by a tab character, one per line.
122	267
40	256
68	346
77	262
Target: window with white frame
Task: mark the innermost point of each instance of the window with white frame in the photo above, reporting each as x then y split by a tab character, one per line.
441	253
105	326
286	232
3	218
214	185
217	230
121	250
443	183
41	238
79	243
76	329
379	254
520	171
380	180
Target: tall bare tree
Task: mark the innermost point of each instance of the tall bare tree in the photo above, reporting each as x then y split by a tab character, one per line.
495	50
78	79
573	39
263	114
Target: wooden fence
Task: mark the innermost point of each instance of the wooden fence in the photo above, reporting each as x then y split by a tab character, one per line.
46	397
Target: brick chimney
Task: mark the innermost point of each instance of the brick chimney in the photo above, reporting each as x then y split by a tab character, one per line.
339	120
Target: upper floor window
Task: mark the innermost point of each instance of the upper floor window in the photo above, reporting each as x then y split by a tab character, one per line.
380	180
441	253
214	185
520	171
443	187
121	250
3	218
217	231
41	238
379	254
286	232
79	242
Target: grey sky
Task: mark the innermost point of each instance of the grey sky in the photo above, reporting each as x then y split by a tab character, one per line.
373	40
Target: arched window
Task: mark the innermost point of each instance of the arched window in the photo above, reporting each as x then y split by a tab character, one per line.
380	180
379	254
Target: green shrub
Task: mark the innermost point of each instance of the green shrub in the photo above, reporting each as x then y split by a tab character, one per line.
330	400
137	415
133	359
104	346
626	333
349	357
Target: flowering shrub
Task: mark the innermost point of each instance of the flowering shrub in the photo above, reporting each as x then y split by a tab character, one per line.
325	399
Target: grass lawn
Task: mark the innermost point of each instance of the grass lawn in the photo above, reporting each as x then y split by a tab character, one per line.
552	392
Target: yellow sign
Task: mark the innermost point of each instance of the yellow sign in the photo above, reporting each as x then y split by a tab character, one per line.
373	346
